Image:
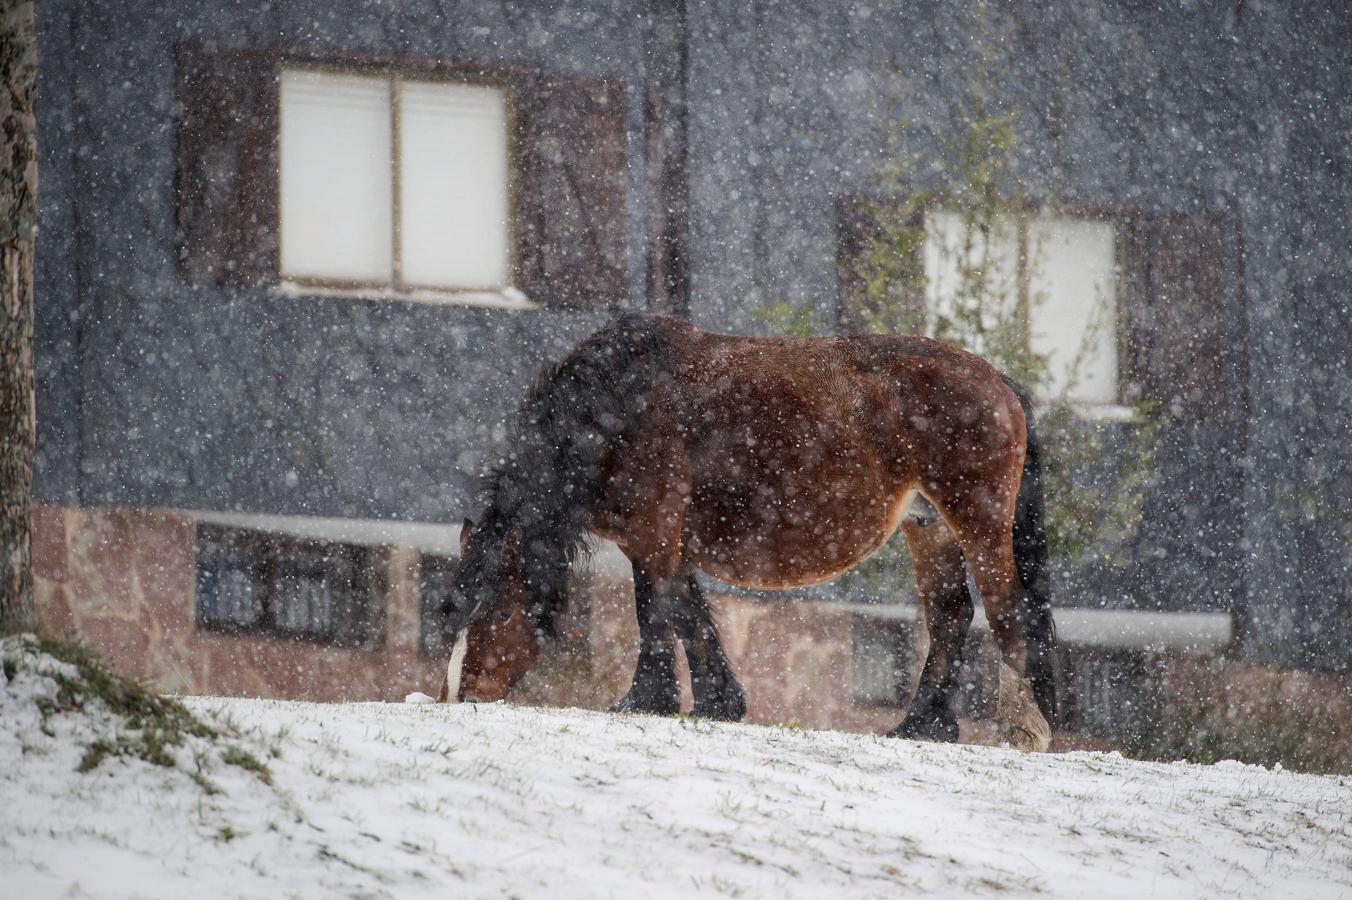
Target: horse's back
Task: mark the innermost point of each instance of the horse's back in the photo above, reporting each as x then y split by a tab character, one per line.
848	389
685	345
802	453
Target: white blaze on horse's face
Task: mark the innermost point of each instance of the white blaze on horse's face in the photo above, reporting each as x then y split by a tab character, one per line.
456	666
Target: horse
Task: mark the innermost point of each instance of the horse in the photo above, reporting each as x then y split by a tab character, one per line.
769	463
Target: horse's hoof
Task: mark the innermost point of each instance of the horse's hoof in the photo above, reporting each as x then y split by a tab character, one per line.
940	729
1023	726
652	706
1028	739
729	705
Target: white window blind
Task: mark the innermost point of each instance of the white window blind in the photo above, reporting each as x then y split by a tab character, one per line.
340	170
335	179
453	200
1073	282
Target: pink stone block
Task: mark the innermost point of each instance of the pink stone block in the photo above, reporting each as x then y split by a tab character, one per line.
55	615
100	557
49	542
164	561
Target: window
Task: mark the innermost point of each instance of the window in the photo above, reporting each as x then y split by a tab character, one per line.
1073	305
393	182
438	574
1064	270
1112	692
251	581
1128	304
423	179
881	658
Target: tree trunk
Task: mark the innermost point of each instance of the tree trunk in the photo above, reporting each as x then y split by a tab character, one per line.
18	214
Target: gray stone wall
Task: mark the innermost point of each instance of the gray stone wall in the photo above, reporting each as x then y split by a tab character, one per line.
156	392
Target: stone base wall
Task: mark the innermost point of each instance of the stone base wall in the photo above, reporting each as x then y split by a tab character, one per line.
123	581
1218	708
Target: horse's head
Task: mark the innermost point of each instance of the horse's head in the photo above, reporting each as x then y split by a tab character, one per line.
486	618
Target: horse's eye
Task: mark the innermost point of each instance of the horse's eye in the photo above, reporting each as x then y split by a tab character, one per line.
504	616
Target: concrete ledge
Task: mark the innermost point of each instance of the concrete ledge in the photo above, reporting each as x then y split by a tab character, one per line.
1115	629
428	537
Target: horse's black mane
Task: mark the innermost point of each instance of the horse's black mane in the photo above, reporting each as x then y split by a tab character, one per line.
549	482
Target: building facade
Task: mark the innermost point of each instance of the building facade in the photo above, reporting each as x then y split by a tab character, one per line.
209	370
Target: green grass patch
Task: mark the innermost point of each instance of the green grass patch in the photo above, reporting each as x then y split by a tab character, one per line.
153	724
148	727
234	756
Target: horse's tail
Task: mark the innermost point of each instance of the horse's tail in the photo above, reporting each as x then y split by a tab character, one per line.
1030	559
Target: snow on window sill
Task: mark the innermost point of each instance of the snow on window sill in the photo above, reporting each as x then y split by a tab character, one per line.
1115	629
428	537
507	298
1105	412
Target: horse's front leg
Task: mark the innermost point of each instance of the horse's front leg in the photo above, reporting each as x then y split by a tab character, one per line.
718	695
942	580
653	517
655	689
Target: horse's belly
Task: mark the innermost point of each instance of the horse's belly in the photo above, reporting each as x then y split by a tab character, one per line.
785	491
790	543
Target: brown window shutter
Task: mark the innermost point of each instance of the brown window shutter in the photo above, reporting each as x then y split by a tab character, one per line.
880	263
227	165
571	195
1173	276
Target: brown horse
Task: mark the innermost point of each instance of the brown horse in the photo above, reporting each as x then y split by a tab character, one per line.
769	463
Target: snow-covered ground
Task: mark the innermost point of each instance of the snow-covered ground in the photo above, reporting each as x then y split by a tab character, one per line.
486	801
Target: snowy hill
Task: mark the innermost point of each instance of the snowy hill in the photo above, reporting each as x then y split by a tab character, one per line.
484	801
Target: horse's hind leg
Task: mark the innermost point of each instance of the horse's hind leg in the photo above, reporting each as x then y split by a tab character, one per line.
717	693
985	533
655	689
942	580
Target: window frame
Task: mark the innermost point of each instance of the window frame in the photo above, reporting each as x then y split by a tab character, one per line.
268	557
1118	217
572	205
858	222
435	571
396	73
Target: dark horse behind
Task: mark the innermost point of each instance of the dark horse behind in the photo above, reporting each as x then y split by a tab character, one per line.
770	463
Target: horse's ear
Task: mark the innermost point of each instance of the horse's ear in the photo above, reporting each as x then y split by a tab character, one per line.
511	549
465	529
